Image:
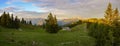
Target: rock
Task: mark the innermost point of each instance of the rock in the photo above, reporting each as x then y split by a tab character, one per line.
20	29
66	43
34	43
66	28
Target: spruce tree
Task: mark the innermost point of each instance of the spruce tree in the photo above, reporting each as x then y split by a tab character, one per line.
116	14
16	22
51	24
8	20
23	21
12	21
0	20
5	19
12	18
30	23
116	24
3	16
109	13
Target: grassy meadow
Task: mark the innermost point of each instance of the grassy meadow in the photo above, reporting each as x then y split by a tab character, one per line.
39	37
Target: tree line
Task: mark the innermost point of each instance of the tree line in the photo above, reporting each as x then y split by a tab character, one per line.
106	31
9	21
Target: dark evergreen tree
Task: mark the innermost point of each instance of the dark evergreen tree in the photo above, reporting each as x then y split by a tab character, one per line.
0	20
23	21
5	20
12	22
16	22
12	18
8	20
30	23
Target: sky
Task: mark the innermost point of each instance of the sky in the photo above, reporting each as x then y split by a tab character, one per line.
60	8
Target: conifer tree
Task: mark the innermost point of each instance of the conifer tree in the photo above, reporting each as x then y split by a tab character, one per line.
12	21
23	21
8	20
51	24
116	14
109	13
3	20
16	22
116	24
0	20
12	18
107	34
30	23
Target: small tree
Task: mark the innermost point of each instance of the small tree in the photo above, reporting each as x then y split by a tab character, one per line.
30	22
23	21
51	24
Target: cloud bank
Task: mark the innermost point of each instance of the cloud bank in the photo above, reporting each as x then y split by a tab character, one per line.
64	8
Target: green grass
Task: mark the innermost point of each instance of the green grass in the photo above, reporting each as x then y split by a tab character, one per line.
77	37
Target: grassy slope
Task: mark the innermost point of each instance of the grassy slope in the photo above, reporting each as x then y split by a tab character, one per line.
13	37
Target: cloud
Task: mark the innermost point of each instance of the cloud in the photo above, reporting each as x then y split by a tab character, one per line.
33	14
12	1
83	8
29	14
70	8
11	9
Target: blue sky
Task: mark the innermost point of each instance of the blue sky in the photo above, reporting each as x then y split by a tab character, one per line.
2	3
22	5
61	8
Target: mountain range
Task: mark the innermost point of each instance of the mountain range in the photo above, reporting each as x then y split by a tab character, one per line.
61	22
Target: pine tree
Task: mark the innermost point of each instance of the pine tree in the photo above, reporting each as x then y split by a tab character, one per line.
23	21
0	20
12	18
8	20
51	24
12	21
30	23
109	13
116	14
16	22
114	32
3	19
116	24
